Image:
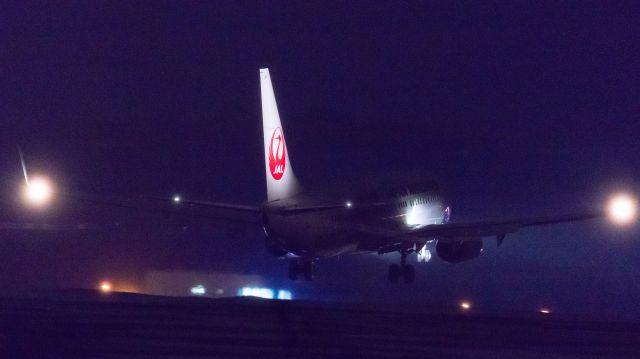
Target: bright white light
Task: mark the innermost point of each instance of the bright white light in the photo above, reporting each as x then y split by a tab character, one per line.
413	217
177	199
424	255
198	290
348	204
284	294
545	311
465	305
265	293
622	209
256	292
38	191
105	287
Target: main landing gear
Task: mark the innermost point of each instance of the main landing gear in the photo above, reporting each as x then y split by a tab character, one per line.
403	270
301	266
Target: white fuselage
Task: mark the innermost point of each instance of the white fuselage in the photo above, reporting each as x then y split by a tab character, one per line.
324	233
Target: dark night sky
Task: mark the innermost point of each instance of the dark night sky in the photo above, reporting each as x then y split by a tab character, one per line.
520	109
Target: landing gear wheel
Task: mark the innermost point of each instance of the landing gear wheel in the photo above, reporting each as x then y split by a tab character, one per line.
404	270
408	273
394	273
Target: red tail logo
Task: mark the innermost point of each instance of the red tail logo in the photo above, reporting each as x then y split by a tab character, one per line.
277	155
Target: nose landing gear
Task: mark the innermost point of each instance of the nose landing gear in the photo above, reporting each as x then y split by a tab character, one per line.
404	270
301	266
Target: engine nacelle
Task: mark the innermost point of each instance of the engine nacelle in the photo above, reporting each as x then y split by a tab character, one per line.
274	247
459	251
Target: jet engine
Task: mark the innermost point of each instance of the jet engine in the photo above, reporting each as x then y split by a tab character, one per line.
459	251
274	247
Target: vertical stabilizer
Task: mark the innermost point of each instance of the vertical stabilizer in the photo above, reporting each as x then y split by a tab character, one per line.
281	182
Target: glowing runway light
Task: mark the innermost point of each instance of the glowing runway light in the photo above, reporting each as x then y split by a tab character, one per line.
38	191
198	290
105	287
256	292
465	305
266	293
284	294
622	209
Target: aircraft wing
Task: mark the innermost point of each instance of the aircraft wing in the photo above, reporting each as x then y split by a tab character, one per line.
456	231
241	213
220	205
61	227
284	210
346	206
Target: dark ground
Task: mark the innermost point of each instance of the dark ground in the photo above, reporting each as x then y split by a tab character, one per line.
83	324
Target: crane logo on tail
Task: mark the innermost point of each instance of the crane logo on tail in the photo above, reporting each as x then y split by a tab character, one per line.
277	155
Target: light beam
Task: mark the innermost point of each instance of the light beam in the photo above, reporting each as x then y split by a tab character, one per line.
24	166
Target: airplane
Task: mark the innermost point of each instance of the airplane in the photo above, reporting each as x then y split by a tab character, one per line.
306	228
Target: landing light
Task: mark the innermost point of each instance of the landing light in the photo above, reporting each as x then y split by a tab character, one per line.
38	191
424	255
177	199
414	217
545	311
622	209
348	204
